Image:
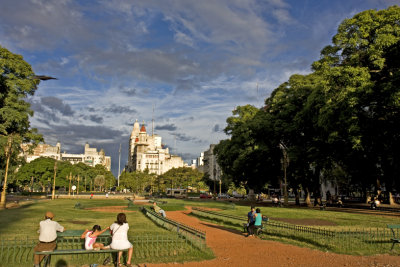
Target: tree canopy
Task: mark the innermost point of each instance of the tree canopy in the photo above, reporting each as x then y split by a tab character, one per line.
339	123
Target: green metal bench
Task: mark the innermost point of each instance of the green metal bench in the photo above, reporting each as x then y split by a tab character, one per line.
259	229
69	237
395	228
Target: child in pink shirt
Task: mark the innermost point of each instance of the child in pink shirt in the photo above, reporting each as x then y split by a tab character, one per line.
91	236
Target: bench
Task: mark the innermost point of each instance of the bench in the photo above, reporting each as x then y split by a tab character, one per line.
259	229
396	233
69	235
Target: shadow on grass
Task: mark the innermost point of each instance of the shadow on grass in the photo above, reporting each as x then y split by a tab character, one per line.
8	217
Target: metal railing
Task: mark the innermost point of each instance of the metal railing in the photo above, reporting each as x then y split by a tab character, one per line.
146	248
194	236
365	241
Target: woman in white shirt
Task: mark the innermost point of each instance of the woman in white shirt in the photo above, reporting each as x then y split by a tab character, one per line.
120	241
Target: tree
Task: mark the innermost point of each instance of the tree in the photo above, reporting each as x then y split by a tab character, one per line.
361	70
182	177
17	81
99	181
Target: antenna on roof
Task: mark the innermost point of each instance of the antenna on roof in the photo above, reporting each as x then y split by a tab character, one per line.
152	123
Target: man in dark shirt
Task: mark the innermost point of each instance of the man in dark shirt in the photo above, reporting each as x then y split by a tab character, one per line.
250	221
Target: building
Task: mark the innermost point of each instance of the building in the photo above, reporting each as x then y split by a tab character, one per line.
147	152
210	165
90	156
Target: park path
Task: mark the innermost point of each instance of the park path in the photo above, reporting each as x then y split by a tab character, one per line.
232	248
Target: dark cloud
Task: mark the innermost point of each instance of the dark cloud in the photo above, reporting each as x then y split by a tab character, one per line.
119	109
166	127
55	103
184	138
216	128
74	136
96	118
44	114
77	132
91	109
128	91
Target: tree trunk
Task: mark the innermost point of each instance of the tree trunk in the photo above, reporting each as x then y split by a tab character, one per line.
308	198
391	199
297	197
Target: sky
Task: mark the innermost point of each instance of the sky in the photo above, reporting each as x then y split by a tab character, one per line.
185	63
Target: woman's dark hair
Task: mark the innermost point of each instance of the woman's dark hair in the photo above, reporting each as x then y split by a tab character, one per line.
96	228
121	218
258	210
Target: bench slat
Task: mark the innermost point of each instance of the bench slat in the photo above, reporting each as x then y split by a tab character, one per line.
393	226
76	251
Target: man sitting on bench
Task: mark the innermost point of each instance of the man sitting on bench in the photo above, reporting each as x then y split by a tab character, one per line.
250	221
158	209
47	236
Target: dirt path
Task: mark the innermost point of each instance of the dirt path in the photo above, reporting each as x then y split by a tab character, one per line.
232	248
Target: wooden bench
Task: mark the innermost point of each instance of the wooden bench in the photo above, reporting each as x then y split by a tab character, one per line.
75	234
395	228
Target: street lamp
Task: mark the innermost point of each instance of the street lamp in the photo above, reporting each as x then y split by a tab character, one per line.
285	163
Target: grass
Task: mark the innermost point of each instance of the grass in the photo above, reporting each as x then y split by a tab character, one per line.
356	234
23	223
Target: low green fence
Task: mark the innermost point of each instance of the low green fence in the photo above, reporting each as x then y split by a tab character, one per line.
193	236
364	241
147	248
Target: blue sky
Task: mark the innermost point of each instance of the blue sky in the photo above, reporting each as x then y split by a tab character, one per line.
194	61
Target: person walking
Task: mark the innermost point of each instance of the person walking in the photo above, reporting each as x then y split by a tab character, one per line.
119	231
47	236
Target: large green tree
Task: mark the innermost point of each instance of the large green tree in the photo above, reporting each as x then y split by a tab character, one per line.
362	110
339	123
17	81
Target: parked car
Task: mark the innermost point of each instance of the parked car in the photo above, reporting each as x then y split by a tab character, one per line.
223	196
205	195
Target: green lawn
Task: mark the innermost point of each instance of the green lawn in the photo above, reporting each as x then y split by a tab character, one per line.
151	242
24	221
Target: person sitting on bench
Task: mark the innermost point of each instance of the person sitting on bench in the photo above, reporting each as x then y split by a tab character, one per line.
159	210
257	221
47	237
91	236
250	221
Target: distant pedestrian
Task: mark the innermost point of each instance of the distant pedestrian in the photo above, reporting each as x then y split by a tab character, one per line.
47	236
91	196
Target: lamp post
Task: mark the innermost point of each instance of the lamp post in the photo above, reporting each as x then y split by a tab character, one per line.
285	163
53	193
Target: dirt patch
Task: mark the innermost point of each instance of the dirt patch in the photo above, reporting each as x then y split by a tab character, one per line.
307	222
207	208
112	209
